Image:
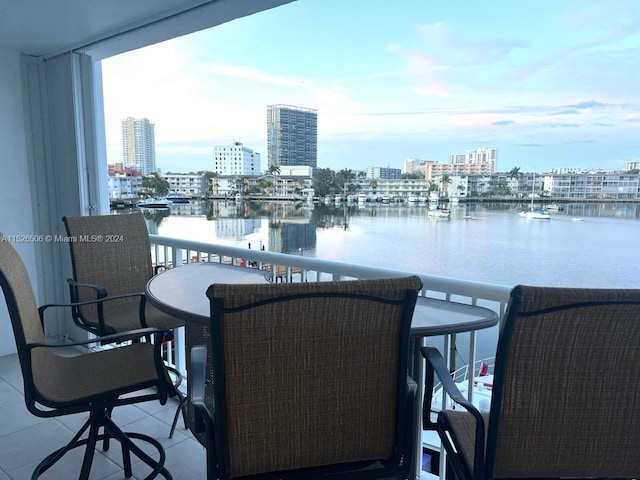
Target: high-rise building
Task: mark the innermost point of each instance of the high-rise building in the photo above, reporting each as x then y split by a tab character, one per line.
139	144
235	159
292	136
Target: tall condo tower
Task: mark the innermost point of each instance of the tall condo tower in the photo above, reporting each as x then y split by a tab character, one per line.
139	144
292	136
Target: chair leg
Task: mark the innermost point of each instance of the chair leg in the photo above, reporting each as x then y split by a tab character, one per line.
99	418
90	448
182	402
181	409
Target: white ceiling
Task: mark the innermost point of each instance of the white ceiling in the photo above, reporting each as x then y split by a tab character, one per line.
108	27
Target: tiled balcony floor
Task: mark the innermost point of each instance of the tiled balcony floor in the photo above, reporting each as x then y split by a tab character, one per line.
26	439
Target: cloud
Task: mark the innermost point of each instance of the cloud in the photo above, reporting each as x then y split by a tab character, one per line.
503	122
592	104
253	74
468	51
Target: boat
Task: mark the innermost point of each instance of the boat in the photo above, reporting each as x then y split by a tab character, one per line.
554	207
179	199
439	213
362	198
386	198
482	386
535	213
154	203
413	199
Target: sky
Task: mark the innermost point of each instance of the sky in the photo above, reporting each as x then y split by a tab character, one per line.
549	84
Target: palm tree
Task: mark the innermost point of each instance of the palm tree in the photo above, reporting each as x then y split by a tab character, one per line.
445	181
273	169
515	173
374	184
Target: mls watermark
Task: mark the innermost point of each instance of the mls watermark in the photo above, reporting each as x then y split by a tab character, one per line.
62	238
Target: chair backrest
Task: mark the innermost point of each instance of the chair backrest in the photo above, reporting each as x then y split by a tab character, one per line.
566	398
310	374
38	367
110	250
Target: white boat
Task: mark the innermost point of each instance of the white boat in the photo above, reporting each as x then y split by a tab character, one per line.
440	213
554	207
386	198
482	387
362	198
536	213
154	203
413	199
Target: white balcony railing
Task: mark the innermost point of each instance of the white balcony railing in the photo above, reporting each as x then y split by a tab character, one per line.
292	268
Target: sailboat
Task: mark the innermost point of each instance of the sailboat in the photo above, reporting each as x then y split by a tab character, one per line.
535	213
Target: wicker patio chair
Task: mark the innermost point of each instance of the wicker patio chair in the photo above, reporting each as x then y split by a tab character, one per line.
111	255
566	391
308	380
93	383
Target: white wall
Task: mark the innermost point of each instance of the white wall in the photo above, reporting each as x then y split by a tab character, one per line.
15	197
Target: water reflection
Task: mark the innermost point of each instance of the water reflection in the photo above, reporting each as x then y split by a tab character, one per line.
339	232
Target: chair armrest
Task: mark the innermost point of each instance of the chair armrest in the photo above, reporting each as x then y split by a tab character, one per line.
436	363
42	308
100	290
410	405
139	332
75	312
196	389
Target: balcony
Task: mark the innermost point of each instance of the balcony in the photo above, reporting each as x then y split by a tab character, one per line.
25	439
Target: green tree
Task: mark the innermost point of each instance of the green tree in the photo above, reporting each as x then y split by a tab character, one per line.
155	185
374	185
445	181
324	181
346	176
211	176
515	173
413	175
273	170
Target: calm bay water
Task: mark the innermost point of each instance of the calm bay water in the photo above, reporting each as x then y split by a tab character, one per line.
587	245
481	242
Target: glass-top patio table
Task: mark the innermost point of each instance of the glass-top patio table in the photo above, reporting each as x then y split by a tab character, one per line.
181	292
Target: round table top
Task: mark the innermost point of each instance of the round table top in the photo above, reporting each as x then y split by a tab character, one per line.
181	292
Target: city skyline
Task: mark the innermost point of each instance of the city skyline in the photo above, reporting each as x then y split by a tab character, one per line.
550	85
